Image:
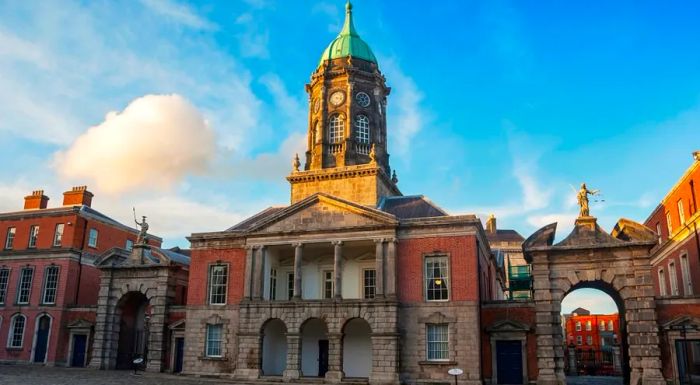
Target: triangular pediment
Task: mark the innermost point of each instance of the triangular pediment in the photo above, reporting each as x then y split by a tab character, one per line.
508	326
321	212
682	322
80	324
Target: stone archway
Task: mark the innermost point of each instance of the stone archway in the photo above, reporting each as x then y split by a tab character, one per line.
132	343
273	351
619	263
357	348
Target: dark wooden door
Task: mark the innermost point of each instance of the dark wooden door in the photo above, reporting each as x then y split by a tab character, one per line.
179	353
322	357
42	339
79	344
509	361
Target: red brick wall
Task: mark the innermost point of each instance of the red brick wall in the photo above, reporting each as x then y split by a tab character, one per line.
462	262
572	333
670	204
523	314
689	247
199	267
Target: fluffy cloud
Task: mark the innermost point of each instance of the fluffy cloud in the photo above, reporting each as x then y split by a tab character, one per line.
154	142
405	113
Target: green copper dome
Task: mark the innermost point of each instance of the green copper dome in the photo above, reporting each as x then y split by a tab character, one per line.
348	43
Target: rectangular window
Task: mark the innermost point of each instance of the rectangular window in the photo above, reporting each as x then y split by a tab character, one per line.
437	341
579	340
213	343
681	212
129	245
218	282
24	288
685	272
610	325
50	285
290	285
589	326
672	278
58	235
578	326
4	280
658	231
662	283
33	235
273	284
369	283
669	224
589	340
328	284
92	238
10	238
17	332
436	279
601	325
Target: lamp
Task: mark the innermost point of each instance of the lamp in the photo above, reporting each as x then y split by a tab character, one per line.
438	282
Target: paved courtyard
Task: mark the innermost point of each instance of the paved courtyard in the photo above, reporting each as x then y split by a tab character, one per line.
593	380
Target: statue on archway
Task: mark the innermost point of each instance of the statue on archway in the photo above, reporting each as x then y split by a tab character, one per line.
582	197
143	232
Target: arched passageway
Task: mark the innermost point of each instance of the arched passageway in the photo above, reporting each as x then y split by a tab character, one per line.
274	347
314	348
133	329
357	348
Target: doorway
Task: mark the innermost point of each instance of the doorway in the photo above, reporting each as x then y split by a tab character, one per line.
179	354
79	350
42	338
509	355
133	329
314	348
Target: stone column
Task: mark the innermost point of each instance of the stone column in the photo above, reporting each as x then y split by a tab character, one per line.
258	272
335	358
573	367
390	273
548	326
247	287
104	345
379	259
298	248
337	269
293	357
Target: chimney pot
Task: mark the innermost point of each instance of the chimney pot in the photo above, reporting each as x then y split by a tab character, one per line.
77	196
37	200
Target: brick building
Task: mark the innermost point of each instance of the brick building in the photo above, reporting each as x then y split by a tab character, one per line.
48	278
352	279
591	331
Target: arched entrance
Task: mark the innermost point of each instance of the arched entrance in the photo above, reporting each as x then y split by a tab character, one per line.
133	329
41	338
274	347
357	348
314	348
618	263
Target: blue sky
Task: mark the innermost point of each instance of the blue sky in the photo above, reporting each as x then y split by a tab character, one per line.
496	106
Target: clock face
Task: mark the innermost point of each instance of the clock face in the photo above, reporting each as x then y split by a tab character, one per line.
362	99
337	98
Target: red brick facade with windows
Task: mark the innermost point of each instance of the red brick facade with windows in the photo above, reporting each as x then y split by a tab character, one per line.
600	327
199	274
78	279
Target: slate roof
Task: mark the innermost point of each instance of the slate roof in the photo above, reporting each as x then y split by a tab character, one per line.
505	236
409	207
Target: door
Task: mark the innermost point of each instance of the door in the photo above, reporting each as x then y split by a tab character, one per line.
179	352
42	339
322	357
688	360
509	362
79	345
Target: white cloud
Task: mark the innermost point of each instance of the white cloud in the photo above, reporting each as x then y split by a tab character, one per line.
254	39
178	13
155	142
405	114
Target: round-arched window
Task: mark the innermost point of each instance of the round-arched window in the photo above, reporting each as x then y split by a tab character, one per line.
336	128
362	129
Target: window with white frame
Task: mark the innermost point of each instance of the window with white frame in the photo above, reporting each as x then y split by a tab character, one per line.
436	278
10	238
218	282
50	285
578	326
601	325
92	238
4	280
658	231
589	326
369	283
290	285
589	340
611	326
213	342
129	245
362	129
669	224
273	284
437	342
336	129
685	273
579	340
662	282
33	235
681	212
16	335
58	235
24	287
328	284
672	278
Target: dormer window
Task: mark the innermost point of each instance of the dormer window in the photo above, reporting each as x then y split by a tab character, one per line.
336	128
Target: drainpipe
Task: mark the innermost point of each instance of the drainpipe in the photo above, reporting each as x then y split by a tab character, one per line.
80	258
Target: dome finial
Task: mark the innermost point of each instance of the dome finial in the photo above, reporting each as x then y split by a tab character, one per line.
348	6
348	26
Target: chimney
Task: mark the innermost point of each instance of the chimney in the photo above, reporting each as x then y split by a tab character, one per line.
36	201
491	224
696	155
78	195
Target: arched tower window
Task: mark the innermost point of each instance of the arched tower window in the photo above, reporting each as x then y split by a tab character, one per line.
362	129
336	128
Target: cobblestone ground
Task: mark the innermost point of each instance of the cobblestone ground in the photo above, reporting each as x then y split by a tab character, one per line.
40	375
592	380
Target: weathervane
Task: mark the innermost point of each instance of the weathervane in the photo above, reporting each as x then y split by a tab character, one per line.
582	197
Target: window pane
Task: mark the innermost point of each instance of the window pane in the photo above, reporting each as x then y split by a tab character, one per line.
4	280
362	129
33	235
290	285
10	238
437	339
50	284
213	348
370	283
25	285
218	278
92	240
58	235
336	128
17	331
436	278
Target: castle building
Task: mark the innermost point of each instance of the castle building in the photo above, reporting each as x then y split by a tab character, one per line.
353	279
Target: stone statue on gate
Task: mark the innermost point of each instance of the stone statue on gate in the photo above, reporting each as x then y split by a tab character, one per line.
582	197
143	232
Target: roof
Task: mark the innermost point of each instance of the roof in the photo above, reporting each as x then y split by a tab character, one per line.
580	311
249	223
348	43
412	206
505	236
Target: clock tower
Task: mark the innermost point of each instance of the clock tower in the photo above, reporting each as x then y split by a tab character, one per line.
346	152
